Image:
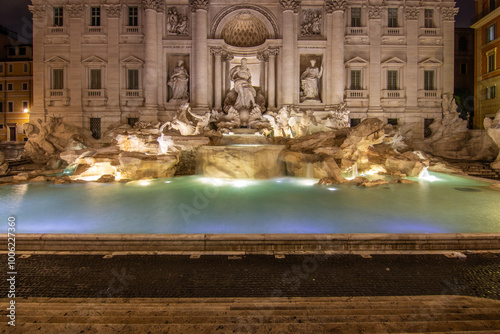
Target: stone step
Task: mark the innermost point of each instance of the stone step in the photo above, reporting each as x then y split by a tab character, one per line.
257	317
249	327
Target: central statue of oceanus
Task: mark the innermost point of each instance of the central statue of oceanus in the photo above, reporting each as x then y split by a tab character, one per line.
244	104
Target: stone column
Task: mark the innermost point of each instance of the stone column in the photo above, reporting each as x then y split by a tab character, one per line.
288	78
411	82
448	14
262	57
200	53
162	71
39	74
337	8
151	55
227	59
75	76
217	78
113	67
329	75
271	85
374	33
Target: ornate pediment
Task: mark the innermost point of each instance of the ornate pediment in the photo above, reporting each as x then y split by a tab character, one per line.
132	60
394	61
94	60
357	61
56	60
430	62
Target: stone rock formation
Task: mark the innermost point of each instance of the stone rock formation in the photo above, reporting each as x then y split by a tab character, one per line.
4	165
492	127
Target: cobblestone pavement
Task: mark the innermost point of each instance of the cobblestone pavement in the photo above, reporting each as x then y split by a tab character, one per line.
155	276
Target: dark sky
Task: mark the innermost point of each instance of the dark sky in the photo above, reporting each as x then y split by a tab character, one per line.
14	14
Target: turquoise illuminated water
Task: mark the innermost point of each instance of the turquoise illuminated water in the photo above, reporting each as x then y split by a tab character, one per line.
195	204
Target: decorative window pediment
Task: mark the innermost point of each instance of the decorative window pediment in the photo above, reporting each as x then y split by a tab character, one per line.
132	61
94	60
394	61
430	62
357	62
57	60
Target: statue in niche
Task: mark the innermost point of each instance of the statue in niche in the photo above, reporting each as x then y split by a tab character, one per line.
310	82
176	22
179	82
243	86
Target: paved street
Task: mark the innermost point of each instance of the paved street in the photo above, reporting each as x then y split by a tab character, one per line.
155	276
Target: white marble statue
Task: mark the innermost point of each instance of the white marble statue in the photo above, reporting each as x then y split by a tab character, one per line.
492	127
243	86
179	82
309	81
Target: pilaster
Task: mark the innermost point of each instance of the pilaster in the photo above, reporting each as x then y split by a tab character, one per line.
200	52
448	15
113	72
151	65
289	51
39	19
336	9
411	15
374	32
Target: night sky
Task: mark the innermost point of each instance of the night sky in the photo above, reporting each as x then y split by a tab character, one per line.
14	14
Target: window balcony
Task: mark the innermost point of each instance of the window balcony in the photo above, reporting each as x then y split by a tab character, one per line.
389	31
393	94
430	32
57	31
57	93
95	93
356	31
133	93
95	30
357	94
131	31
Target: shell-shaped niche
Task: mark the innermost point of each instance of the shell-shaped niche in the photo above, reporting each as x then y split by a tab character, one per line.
245	30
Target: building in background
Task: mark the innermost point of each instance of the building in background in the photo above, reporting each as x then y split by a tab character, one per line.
486	54
100	63
16	86
464	72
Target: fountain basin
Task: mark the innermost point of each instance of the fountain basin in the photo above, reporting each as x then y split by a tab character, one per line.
241	161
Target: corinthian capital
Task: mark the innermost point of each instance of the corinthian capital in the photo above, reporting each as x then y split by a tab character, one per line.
38	11
290	4
411	12
375	12
449	13
199	4
113	11
336	5
157	5
75	11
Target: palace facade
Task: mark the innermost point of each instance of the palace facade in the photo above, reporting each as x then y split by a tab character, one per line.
98	63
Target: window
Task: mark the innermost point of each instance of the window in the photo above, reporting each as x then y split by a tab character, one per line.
133	79
490	92
1	68
462	44
12	51
95	16
11	68
133	16
25	68
57	81
10	86
463	68
22	51
392	80
491	33
25	86
355	17
1	127
356	79
492	5
428	17
429	80
491	61
1	87
1	106
392	121
58	16
95	78
25	105
393	17
95	127
10	106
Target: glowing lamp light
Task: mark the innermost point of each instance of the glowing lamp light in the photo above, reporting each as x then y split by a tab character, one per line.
26	110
